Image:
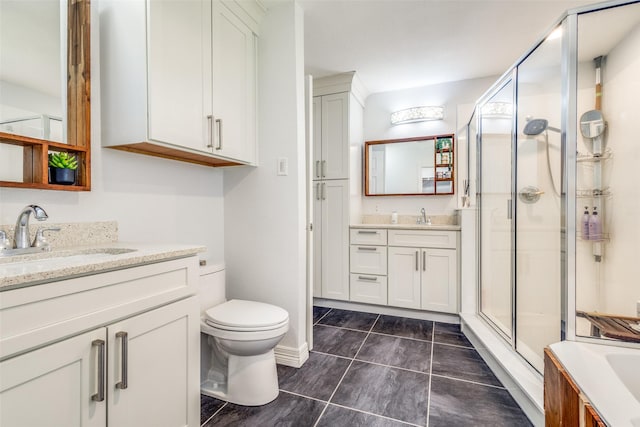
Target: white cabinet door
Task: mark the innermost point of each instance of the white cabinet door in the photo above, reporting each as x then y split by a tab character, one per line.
439	280
335	136
334	221
53	386
317	239
317	137
179	56
234	86
404	277
161	368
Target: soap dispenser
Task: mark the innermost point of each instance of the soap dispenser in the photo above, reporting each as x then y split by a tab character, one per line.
584	224
595	226
394	217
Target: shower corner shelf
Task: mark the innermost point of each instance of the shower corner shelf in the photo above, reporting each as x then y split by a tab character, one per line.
604	238
590	158
594	193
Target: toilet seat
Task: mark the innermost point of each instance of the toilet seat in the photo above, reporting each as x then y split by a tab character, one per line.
246	316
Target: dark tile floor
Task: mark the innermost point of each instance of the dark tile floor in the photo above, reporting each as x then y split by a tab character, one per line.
374	370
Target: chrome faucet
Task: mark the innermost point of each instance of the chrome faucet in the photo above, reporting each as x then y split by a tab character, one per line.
21	238
422	219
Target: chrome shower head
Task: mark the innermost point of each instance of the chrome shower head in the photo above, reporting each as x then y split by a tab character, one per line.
537	126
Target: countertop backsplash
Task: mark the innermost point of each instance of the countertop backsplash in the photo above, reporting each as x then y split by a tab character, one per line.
71	234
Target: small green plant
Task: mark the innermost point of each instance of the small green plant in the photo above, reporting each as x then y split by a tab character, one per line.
63	160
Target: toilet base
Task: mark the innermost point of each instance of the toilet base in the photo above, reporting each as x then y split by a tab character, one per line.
251	381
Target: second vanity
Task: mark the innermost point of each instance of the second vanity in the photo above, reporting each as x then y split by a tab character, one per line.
403	265
101	336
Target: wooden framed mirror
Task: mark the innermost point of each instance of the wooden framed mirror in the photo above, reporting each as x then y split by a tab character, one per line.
421	166
45	91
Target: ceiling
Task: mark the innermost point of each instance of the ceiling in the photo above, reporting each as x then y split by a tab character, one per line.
399	44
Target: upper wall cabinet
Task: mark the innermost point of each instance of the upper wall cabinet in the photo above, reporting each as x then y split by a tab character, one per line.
179	79
45	91
331	140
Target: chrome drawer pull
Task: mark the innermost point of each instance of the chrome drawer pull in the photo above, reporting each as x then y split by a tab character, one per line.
366	248
99	396
125	364
367	232
372	279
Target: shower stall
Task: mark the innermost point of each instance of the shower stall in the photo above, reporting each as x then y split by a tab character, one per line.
545	137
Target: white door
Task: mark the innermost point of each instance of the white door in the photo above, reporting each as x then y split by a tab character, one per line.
335	239
404	277
234	86
154	368
335	136
179	59
54	385
439	280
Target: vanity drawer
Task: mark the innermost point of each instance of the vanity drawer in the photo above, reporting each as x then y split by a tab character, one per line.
369	236
423	239
368	289
368	259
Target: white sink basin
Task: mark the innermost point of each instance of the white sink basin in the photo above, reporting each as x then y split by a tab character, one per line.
627	368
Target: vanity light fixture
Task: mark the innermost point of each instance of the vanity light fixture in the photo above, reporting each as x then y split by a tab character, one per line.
417	114
497	110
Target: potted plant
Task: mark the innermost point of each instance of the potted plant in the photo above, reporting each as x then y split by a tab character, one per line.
62	168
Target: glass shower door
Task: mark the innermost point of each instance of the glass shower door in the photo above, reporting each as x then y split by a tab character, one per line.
495	209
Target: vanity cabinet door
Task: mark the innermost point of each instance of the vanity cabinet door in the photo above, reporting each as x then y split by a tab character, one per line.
179	57
404	277
439	280
156	354
234	86
54	385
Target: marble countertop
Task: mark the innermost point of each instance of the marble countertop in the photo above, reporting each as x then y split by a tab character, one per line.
65	263
434	227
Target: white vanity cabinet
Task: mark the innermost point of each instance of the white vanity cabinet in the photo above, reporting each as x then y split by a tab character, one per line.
179	79
331	239
113	349
423	270
368	266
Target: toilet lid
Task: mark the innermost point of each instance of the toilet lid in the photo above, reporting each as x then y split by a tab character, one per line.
243	314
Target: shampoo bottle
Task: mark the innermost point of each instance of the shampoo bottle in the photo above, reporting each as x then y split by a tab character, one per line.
584	224
595	226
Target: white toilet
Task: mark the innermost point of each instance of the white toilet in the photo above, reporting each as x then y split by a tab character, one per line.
237	338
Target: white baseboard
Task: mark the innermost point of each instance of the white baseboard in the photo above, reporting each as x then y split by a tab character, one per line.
523	382
291	356
390	311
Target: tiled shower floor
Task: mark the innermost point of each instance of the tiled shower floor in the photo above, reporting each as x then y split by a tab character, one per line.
376	370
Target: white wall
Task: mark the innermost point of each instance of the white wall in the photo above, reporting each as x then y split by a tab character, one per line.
265	237
377	126
153	200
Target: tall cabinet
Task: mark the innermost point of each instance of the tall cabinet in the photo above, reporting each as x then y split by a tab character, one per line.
338	107
188	73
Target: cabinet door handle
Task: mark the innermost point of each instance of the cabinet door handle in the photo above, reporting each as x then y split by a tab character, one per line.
424	261
219	122
371	279
99	396
324	191
417	261
367	232
366	248
125	363
318	191
317	168
324	168
210	131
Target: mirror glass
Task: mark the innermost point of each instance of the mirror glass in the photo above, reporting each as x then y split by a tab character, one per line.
607	175
411	166
32	53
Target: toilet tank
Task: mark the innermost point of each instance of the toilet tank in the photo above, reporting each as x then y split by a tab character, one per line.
212	286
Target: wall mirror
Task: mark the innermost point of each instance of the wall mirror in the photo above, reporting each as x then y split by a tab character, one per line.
44	90
421	166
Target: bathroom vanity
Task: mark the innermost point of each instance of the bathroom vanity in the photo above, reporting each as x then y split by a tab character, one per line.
405	266
101	336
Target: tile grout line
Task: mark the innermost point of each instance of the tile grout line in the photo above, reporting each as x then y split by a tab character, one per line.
323	316
375	415
433	336
470	382
345	373
214	414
